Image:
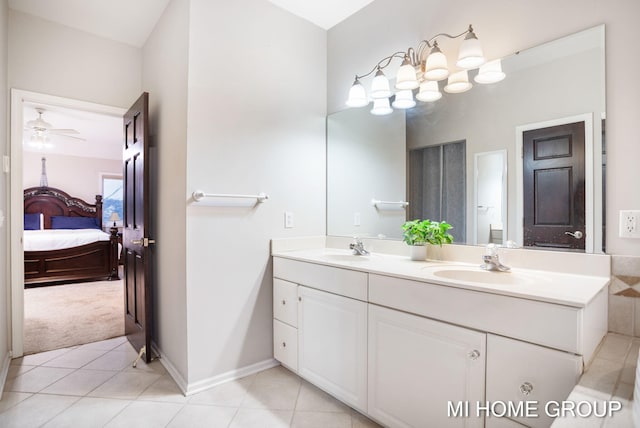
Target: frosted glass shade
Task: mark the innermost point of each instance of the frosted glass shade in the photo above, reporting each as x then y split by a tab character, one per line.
404	99
406	77
429	91
458	82
381	107
357	95
490	72
436	67
380	86
470	54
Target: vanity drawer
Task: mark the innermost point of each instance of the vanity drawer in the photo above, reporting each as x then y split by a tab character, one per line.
548	324
345	282
519	371
285	345
285	301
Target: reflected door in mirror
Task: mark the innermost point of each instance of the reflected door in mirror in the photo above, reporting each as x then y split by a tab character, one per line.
554	187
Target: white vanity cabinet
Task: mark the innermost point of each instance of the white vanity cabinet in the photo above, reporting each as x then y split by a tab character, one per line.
417	365
332	344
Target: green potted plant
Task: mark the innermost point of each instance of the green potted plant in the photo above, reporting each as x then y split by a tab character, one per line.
417	233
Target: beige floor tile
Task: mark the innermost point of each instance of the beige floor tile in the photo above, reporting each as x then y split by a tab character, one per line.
37	379
615	347
15	371
35	411
602	375
143	414
104	345
260	418
153	367
113	360
276	375
38	359
74	359
125	385
80	382
195	416
10	399
164	389
321	420
227	394
313	399
272	395
360	421
621	419
88	412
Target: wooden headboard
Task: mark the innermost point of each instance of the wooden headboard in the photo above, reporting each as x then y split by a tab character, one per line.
54	202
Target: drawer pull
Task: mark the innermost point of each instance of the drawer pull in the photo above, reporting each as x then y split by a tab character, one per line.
526	388
284	344
474	355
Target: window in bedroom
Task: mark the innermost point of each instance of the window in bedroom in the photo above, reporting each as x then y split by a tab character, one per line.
111	199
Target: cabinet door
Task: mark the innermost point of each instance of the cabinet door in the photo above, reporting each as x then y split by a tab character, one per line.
418	365
285	300
332	344
519	371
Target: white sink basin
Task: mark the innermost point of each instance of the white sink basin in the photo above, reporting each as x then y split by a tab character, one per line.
479	275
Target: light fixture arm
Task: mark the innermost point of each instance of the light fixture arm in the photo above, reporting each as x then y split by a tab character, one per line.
383	63
430	43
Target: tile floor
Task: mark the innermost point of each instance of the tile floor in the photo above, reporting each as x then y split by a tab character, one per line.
94	385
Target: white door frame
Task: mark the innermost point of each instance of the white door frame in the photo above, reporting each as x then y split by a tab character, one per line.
593	177
16	199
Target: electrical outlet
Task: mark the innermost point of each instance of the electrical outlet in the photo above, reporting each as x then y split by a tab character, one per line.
288	219
629	224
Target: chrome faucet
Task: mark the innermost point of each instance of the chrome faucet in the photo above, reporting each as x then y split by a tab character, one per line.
358	247
492	260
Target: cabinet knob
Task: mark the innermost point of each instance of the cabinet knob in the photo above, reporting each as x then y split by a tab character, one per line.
284	302
299	299
474	355
284	344
526	388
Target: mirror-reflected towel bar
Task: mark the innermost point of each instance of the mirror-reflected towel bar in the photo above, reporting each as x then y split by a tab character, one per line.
381	204
199	195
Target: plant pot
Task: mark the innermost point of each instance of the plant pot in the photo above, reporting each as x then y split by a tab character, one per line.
418	252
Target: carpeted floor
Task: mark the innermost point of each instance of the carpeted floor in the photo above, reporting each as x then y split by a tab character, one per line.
72	314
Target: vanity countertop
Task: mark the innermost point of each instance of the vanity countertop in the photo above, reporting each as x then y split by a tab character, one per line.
568	289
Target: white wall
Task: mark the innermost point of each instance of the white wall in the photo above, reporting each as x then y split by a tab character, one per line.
5	310
76	175
256	115
164	75
53	59
505	26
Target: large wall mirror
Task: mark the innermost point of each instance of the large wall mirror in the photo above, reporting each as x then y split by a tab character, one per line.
520	160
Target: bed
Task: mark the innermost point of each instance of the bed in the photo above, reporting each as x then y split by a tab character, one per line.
63	239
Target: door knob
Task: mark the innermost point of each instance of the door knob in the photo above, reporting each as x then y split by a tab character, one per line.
577	234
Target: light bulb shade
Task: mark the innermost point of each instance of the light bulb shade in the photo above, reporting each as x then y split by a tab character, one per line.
429	91
381	107
470	54
458	82
380	86
490	72
406	77
114	216
404	99
436	67
357	95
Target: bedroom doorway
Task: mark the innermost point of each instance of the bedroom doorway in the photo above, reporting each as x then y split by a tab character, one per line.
23	105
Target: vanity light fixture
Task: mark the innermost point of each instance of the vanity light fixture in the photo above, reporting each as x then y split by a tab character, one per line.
421	69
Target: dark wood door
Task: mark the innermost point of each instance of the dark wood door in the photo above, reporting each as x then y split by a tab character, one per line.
138	314
554	187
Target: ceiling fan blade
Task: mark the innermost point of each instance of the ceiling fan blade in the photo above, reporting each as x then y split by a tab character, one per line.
62	131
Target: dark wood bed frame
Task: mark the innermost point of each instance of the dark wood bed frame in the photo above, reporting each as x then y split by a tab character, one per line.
94	261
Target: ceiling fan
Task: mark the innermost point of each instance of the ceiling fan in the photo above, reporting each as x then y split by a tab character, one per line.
40	129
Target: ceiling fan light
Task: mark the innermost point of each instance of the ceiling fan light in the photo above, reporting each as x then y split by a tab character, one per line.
458	82
381	107
429	91
436	66
406	77
357	95
490	72
380	86
470	54
404	99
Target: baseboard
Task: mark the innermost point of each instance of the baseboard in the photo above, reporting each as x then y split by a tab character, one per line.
204	384
171	369
5	371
